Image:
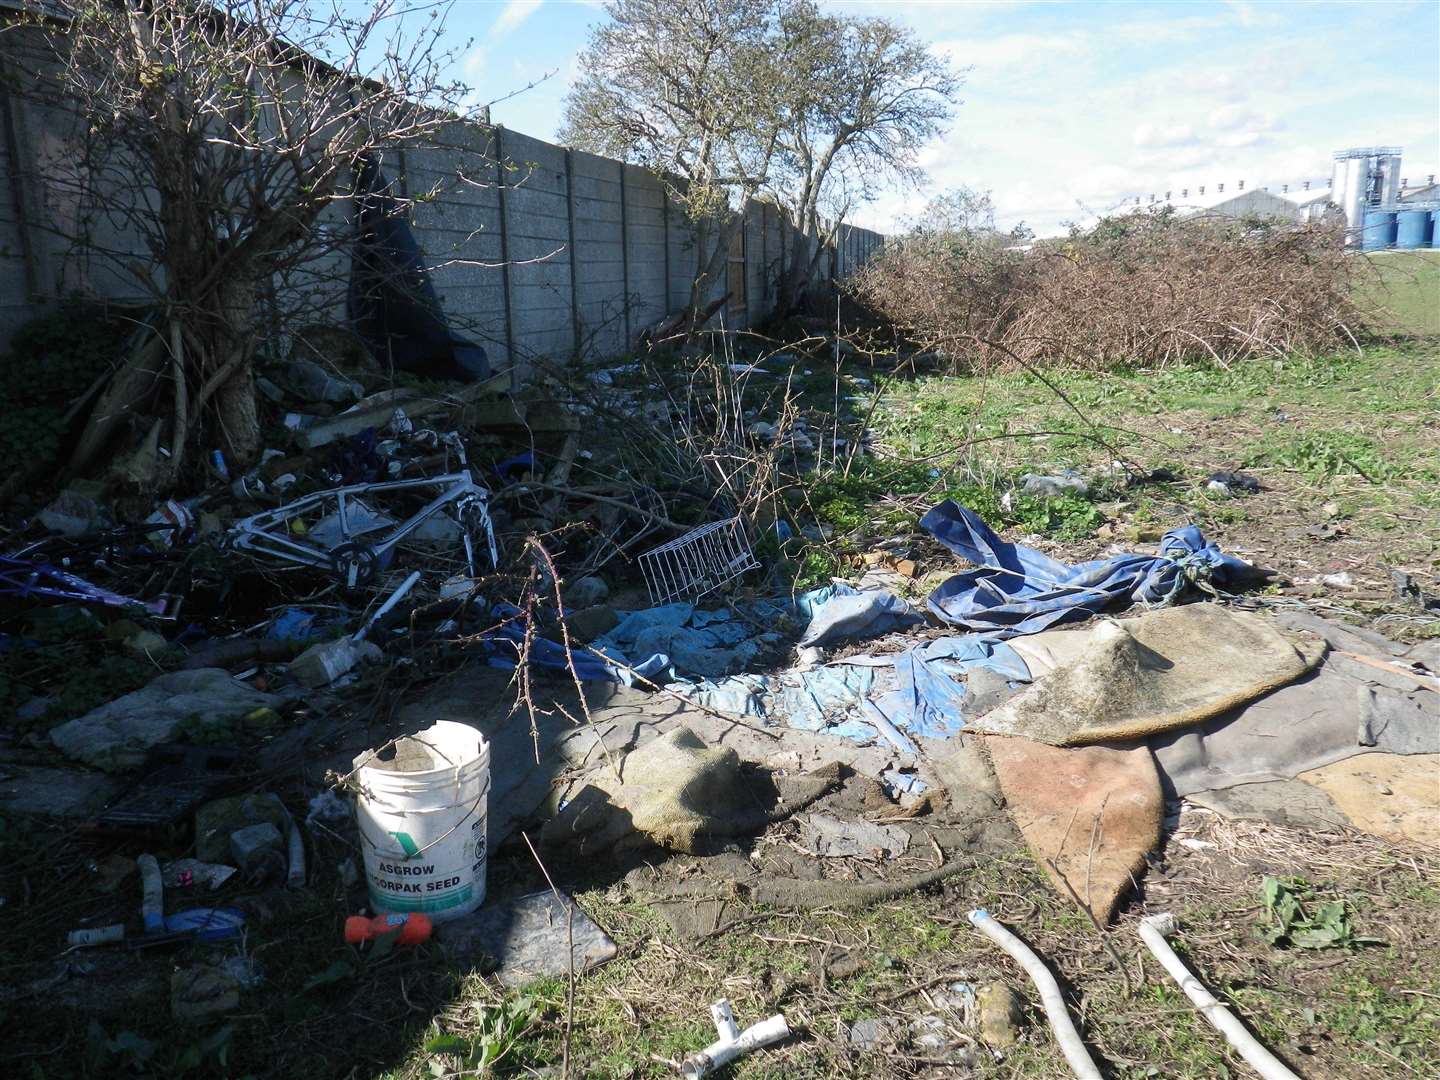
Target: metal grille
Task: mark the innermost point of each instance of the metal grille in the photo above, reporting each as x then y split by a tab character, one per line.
699	562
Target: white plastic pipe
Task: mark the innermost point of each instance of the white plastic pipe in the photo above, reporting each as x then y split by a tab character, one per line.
1153	929
1076	1056
733	1043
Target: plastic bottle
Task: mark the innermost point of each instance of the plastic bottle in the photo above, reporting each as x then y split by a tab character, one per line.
413	926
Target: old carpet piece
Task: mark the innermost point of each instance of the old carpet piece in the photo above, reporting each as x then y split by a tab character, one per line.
1389	795
1164	670
1089	815
1342	709
120	733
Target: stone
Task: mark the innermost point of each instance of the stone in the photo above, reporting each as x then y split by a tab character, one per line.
593	622
869	1034
201	991
77	510
586	592
255	847
145	644
218	819
907	568
1002	1011
120	733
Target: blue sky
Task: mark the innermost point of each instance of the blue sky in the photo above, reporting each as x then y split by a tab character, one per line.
1072	108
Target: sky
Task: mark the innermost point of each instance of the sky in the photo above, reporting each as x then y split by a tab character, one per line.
1073	109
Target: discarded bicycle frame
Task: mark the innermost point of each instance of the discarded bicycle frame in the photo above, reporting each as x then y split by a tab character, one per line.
364	547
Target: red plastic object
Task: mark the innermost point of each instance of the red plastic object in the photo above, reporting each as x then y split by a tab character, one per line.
414	928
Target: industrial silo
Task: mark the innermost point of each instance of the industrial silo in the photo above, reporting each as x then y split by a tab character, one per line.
1379	229
1412	228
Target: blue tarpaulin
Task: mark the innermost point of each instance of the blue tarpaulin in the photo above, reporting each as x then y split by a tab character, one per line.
1017	590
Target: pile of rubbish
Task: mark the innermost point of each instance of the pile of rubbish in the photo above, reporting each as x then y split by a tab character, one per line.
381	569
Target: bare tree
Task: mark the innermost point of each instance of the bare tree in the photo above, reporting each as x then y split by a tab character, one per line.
687	89
866	96
724	99
218	134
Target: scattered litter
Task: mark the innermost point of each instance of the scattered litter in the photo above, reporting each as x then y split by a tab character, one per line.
25	580
355	551
850	615
320	665
256	850
94	936
1068	482
422	815
1152	930
1163	670
194	874
1341	580
1231	483
733	1042
407	928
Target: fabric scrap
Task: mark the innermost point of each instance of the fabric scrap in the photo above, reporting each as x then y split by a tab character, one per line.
1089	815
1387	795
1015	589
1163	670
1315	721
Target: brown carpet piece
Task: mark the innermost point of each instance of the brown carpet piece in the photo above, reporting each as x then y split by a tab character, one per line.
1166	669
1088	814
1393	796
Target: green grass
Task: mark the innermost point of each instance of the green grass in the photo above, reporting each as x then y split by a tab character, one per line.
1405	290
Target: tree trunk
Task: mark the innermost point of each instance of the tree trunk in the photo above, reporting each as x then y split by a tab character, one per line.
236	417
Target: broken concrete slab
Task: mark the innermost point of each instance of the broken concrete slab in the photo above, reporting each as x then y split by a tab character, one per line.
118	734
64	793
530	937
1281	802
830	837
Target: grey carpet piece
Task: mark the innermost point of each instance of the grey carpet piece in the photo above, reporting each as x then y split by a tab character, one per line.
1342	709
1280	802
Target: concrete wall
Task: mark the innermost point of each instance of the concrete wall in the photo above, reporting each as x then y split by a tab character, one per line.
555	253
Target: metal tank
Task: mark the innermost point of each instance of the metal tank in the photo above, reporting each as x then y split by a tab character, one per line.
1412	228
1435	228
1378	231
1387	166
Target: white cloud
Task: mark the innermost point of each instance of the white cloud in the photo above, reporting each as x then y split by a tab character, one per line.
1150	135
513	16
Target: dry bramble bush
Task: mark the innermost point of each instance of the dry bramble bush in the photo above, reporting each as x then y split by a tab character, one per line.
1146	289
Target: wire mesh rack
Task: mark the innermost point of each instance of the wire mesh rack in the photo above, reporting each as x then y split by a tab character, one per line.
698	562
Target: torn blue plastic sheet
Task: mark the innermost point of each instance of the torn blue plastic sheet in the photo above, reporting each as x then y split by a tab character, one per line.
927	701
1017	590
850	615
505	641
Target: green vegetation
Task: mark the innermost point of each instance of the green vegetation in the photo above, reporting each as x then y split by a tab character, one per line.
1405	292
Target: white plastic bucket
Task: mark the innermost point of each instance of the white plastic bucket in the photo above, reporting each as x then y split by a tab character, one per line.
422	818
